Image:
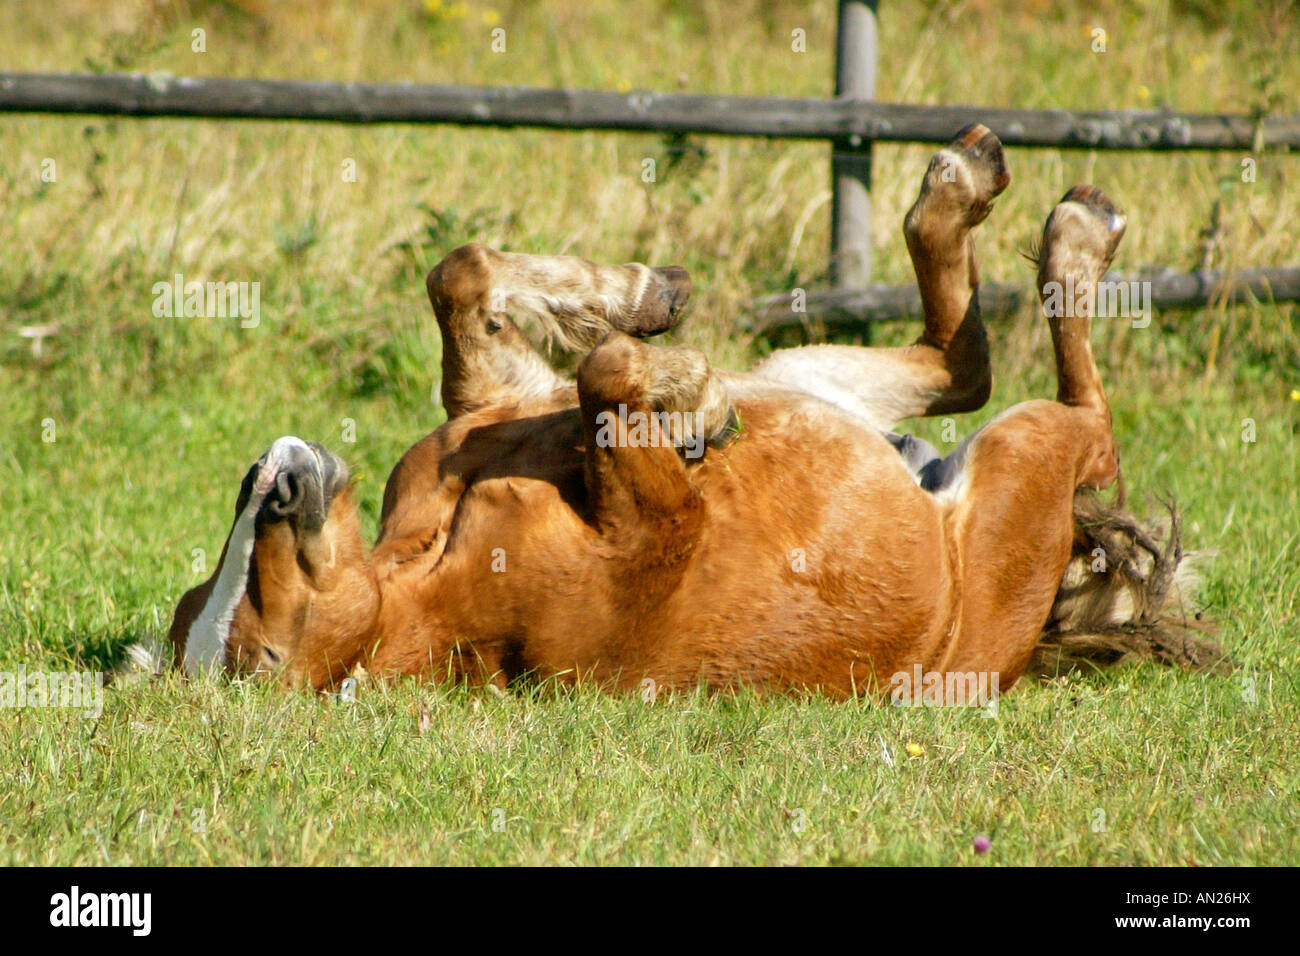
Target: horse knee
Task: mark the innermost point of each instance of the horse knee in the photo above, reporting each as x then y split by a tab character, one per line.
970	374
462	278
612	371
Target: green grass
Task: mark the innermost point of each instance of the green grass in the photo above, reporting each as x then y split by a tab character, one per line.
156	420
589	778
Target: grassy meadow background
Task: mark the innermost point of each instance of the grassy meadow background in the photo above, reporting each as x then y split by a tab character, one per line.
156	420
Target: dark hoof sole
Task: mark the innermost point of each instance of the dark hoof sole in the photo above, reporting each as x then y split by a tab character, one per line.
662	303
1102	208
983	151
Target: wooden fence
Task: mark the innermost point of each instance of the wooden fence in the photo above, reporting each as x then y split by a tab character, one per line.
851	122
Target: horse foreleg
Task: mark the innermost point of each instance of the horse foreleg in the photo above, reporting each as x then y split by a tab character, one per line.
1011	492
647	412
486	358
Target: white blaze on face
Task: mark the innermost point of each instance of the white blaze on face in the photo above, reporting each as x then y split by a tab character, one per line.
205	645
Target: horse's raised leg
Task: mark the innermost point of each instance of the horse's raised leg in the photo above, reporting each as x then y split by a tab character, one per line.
947	369
485	357
646	412
1010	487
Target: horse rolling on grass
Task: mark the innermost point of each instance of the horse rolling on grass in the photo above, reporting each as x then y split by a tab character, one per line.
661	519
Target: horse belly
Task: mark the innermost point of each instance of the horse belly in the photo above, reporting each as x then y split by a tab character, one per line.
828	569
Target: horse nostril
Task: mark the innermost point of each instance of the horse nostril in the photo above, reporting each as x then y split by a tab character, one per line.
284	497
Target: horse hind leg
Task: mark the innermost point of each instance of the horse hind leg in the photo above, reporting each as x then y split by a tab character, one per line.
947	369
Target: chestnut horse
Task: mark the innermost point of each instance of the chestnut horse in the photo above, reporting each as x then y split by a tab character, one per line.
661	519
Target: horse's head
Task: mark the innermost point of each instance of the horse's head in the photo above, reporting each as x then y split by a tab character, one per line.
292	593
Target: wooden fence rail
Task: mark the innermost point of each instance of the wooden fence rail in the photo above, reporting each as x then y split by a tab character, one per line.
846	119
852	122
837	308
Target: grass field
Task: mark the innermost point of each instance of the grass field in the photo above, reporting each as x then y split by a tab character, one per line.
123	444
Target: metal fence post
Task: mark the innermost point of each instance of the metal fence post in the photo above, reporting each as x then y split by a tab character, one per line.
855	76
